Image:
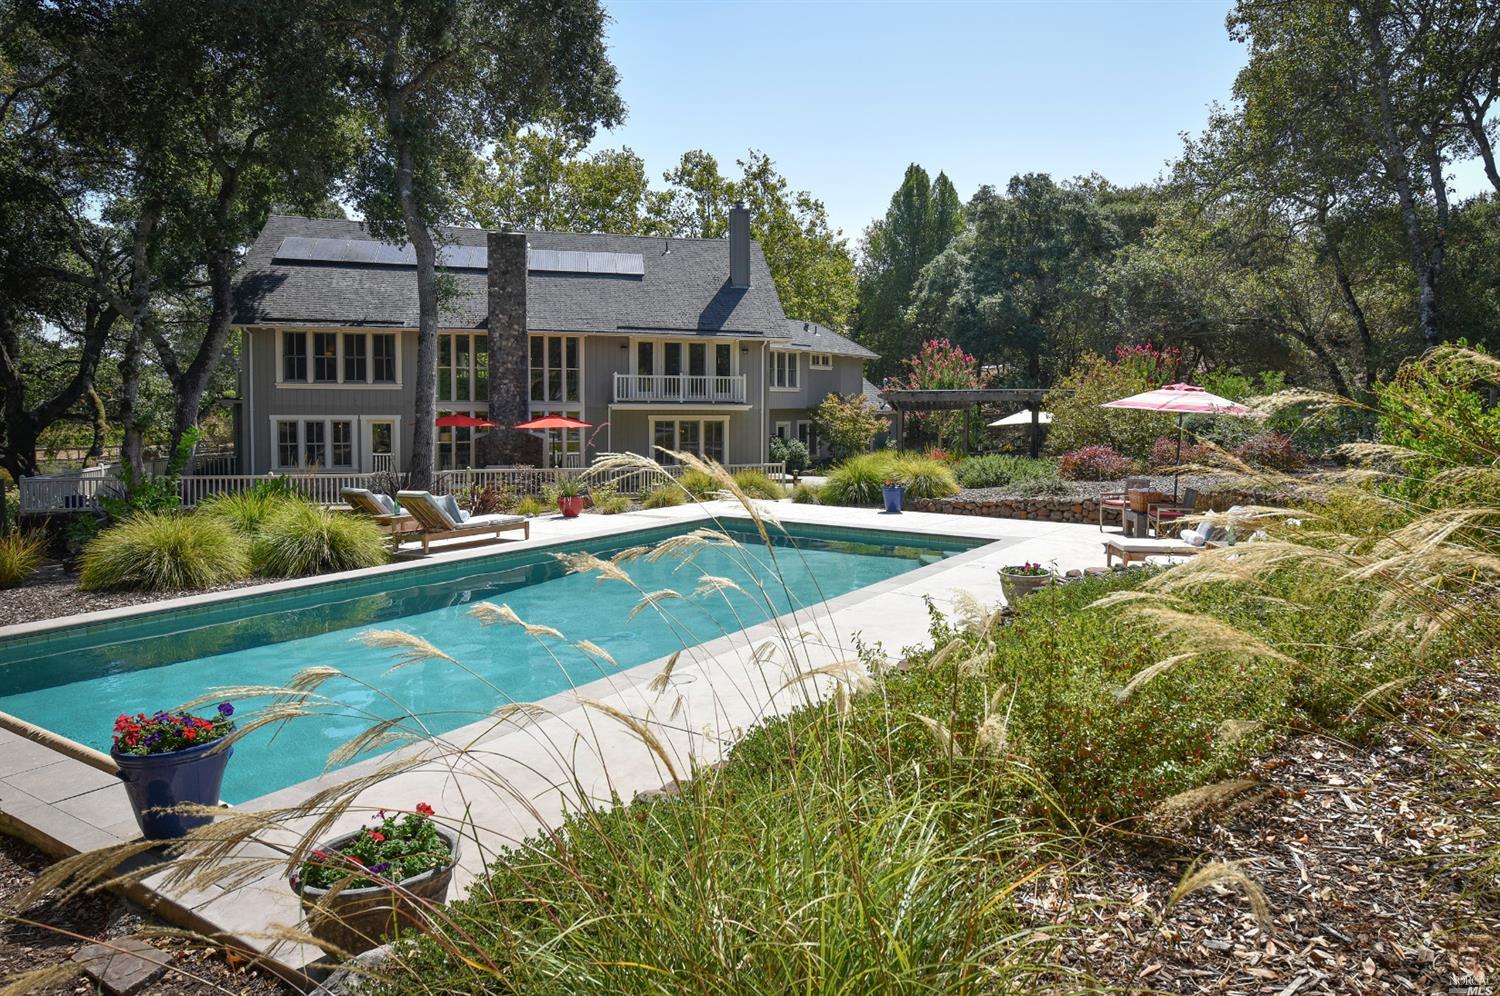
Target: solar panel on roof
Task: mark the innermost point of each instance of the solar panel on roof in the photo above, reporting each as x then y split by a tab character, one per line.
372	253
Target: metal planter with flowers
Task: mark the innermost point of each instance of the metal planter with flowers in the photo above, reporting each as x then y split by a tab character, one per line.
357	889
1023	579
171	759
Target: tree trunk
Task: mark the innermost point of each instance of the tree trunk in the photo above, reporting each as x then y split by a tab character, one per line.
1474	117
130	360
425	404
191	384
1351	304
100	425
1400	176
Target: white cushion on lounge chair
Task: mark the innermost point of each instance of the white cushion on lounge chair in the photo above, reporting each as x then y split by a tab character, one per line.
449	504
494	518
369	502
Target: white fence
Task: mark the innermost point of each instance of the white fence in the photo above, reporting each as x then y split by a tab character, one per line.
78	492
679	387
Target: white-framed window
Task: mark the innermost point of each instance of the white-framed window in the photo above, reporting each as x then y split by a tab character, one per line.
707	437
337	359
463	366
820	361
783	370
556	369
784	430
805	433
694	358
311	444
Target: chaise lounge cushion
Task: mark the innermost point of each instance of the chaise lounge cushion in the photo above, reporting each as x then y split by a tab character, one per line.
369	502
449	505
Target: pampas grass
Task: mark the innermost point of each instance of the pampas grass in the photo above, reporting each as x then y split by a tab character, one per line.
21	554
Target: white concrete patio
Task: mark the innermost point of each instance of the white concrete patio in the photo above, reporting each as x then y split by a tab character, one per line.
513	778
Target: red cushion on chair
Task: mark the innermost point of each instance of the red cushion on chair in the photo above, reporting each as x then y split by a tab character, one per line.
1170	513
1114	502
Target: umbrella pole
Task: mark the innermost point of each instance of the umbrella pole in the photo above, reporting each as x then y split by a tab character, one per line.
1178	474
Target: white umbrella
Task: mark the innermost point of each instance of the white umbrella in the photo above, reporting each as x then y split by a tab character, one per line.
1022	417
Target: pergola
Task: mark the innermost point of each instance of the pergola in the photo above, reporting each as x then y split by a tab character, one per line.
967	400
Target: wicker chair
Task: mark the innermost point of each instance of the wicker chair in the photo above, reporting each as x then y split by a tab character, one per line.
1116	503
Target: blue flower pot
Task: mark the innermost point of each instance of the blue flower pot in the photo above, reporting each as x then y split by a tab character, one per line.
157	782
893	498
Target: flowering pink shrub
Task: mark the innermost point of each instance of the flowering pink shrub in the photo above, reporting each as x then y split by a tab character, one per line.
1164	452
1093	463
1274	450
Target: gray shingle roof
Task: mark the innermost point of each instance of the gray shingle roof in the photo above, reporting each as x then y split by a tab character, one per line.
872	394
819	339
684	289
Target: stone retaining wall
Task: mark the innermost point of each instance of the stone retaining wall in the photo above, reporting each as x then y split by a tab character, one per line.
1063	509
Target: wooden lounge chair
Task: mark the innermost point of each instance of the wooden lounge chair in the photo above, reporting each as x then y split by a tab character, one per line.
436	521
1117	502
380	509
1131	550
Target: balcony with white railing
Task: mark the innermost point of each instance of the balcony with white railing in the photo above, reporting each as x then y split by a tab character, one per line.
679	388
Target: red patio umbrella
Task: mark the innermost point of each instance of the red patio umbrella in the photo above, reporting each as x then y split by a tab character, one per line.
555	422
463	422
1181	399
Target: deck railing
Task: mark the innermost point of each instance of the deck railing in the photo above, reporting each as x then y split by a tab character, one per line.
77	492
686	388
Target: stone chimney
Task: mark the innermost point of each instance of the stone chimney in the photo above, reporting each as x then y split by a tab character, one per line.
509	383
739	246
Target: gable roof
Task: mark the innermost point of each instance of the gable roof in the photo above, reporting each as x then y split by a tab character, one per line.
820	339
682	284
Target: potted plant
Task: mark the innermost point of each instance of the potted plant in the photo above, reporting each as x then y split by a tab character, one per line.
570	497
357	888
894	491
1023	579
170	759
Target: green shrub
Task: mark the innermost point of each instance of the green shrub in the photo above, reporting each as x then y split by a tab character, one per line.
607	501
304	539
700	485
808	494
664	496
1046	486
858	480
1079	421
791	452
848	424
925	477
21	554
531	506
246	512
998	470
758	484
164	551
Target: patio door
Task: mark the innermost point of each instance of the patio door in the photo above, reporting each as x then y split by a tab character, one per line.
380	445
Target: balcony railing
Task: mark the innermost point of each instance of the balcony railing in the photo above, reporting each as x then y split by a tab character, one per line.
685	388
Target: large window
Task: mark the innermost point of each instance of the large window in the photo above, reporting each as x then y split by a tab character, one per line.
463	366
326	357
820	361
294	356
556	369
315	443
349	358
696	359
703	436
783	370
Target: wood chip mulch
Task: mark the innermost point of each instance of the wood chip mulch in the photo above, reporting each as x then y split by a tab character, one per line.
1363	853
25	947
53	592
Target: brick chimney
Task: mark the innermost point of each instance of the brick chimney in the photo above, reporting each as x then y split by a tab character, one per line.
509	384
739	246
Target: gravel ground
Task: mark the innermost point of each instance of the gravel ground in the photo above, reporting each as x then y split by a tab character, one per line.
54	592
46	940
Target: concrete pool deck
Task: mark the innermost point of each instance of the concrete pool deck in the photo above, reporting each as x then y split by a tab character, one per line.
515	777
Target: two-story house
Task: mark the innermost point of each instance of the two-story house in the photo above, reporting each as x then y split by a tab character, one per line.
658	342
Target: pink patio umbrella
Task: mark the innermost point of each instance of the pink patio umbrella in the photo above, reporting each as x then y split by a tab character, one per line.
554	422
1181	399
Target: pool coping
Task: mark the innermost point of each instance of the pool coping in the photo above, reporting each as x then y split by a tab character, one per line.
70	824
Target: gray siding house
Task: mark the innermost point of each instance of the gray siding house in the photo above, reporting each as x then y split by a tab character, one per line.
678	343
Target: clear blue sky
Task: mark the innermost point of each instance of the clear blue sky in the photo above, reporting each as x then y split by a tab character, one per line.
843	95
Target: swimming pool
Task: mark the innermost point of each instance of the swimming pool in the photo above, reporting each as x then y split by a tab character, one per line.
75	681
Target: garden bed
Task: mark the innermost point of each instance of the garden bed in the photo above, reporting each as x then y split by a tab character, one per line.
53	592
1078	501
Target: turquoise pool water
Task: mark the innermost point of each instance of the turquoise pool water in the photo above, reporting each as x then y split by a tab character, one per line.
74	683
